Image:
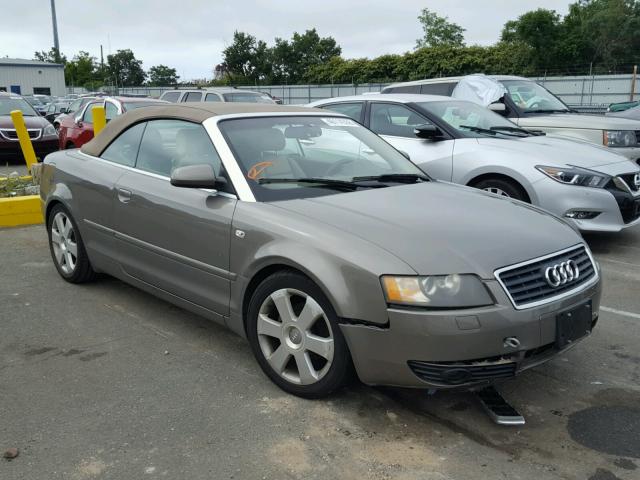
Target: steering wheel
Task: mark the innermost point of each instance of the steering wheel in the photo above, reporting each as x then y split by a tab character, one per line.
257	169
338	166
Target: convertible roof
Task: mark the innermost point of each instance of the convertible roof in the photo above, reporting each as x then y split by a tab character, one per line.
197	112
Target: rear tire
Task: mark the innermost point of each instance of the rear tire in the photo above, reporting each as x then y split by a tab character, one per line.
503	187
294	333
67	248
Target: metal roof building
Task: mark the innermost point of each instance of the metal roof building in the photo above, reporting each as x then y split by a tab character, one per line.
28	77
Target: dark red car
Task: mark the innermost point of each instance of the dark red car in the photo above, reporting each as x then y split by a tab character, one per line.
77	129
43	136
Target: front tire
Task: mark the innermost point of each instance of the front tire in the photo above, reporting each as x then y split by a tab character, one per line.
66	246
503	187
294	334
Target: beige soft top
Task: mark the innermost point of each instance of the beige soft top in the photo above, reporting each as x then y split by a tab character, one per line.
195	112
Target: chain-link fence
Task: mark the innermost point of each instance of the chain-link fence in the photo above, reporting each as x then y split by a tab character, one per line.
587	93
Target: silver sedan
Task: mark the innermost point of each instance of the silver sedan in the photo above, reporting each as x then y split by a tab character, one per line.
320	243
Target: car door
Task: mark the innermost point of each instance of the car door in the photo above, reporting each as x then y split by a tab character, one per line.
176	239
84	128
395	122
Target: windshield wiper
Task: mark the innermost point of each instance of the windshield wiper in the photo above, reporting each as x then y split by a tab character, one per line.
489	132
519	130
394	177
550	110
323	182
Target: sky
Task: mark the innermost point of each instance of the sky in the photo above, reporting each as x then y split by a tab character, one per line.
190	35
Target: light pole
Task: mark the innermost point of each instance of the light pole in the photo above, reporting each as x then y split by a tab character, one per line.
56	43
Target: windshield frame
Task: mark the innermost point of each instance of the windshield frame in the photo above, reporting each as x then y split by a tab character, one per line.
232	164
524	112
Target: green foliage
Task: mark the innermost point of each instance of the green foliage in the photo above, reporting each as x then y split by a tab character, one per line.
438	31
81	70
161	75
125	68
52	56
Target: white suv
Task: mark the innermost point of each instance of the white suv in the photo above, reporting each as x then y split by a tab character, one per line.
530	105
227	94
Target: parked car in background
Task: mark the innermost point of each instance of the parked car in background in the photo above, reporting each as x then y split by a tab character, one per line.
632	113
37	102
532	106
277	100
311	236
462	142
227	94
43	136
622	106
54	109
77	129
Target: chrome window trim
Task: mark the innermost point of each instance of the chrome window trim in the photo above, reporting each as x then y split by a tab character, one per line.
229	161
568	293
154	175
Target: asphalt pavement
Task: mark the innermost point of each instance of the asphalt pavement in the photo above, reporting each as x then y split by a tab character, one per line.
103	381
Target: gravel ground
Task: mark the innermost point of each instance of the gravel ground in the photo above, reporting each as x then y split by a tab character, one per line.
104	381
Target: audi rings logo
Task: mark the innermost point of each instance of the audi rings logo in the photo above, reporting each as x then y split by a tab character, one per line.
562	273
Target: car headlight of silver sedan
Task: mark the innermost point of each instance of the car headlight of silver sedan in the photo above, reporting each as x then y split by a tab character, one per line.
575	176
619	138
49	131
436	291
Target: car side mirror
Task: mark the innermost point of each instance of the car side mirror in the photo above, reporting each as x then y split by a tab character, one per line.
194	176
63	110
43	113
430	132
498	107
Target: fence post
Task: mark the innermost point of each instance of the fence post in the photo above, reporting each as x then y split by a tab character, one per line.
633	82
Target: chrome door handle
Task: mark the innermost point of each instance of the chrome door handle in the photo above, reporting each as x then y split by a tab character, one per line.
124	195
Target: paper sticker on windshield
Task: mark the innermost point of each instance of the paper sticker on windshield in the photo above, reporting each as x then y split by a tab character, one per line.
339	122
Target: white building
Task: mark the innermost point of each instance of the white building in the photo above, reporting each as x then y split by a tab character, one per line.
28	77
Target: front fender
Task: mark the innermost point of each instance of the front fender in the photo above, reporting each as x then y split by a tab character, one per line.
481	170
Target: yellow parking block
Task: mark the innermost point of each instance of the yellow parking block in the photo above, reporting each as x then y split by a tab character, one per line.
15	211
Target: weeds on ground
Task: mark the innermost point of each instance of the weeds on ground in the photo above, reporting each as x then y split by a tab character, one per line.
15	186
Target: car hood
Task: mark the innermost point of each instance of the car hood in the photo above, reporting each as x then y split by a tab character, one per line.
440	228
554	151
576	120
30	122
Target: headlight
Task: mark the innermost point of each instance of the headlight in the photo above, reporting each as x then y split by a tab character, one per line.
438	291
575	176
619	138
50	131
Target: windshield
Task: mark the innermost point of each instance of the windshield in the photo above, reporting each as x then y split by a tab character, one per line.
8	104
305	156
247	97
471	119
531	97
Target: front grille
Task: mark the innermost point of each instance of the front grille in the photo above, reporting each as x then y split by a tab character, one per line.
638	136
526	285
11	134
630	180
459	373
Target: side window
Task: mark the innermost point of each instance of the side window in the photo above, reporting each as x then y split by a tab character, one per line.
75	106
111	111
171	97
88	113
124	148
438	88
168	144
212	97
192	97
395	120
404	89
353	110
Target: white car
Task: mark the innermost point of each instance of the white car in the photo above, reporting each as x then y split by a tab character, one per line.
219	94
530	105
461	142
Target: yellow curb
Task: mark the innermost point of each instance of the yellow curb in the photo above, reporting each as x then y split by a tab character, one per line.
16	211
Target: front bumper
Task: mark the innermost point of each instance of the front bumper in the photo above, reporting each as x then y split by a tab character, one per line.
11	151
396	355
615	209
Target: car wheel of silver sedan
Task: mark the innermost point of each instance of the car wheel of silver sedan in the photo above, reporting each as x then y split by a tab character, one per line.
295	336
503	187
67	250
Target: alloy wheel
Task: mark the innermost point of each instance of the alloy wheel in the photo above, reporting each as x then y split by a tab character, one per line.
497	191
63	240
295	336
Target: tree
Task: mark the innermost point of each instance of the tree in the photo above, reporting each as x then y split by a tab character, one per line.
52	56
438	31
539	29
125	69
81	70
247	57
161	75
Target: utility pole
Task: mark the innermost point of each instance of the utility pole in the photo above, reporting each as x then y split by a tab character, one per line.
56	43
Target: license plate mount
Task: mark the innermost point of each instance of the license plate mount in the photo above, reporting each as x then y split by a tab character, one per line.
573	324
